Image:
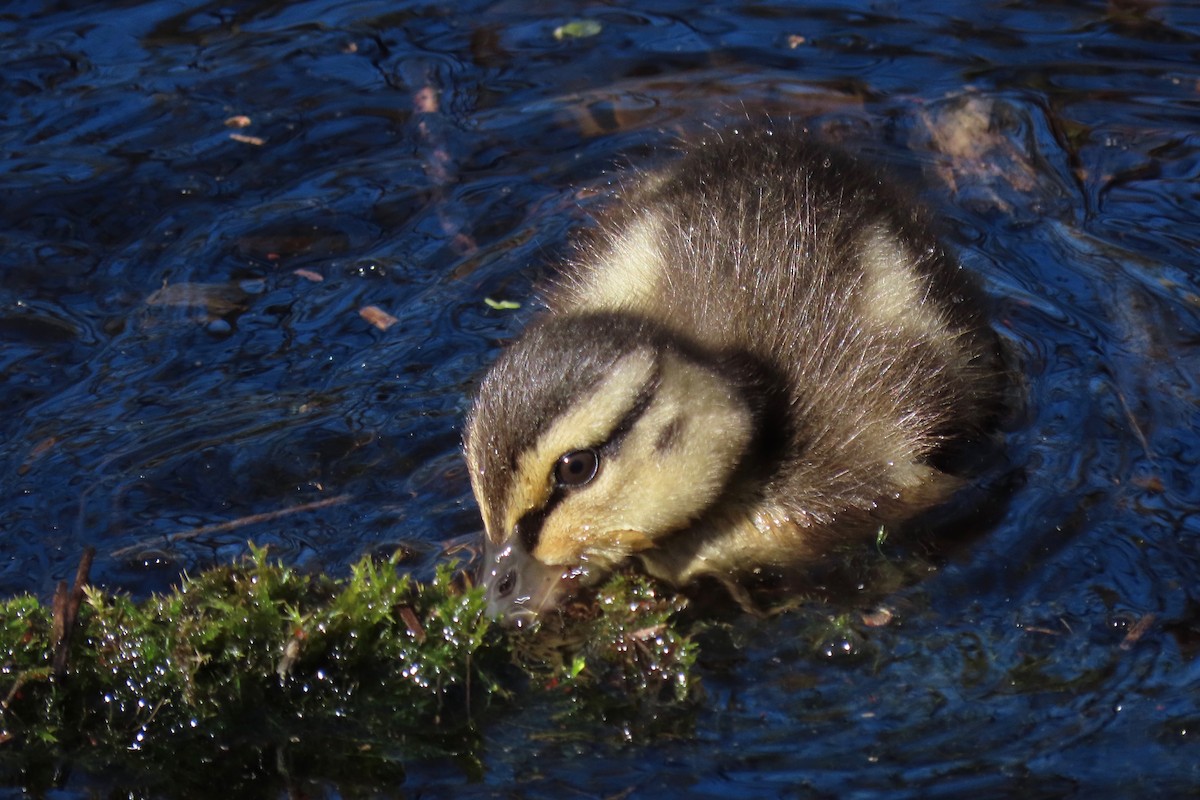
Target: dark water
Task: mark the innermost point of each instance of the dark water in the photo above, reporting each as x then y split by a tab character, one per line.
182	344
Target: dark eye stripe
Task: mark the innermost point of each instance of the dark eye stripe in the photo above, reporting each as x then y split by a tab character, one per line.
528	529
640	404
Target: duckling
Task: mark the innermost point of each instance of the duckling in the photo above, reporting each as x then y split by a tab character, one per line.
758	355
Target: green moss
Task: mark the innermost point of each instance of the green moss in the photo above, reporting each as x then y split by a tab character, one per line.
246	671
622	659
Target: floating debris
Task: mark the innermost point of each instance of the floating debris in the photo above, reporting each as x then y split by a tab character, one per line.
377	317
257	141
578	29
501	305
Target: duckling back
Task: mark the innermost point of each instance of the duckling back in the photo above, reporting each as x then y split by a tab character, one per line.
801	332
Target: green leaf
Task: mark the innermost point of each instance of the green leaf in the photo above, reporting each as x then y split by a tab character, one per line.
578	29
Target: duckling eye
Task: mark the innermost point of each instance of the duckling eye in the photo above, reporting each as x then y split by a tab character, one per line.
576	468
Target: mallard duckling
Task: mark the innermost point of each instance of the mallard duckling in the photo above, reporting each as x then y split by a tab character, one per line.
759	354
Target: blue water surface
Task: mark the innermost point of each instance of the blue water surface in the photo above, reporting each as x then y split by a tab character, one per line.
199	202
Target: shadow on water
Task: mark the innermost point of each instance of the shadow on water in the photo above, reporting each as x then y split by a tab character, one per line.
201	205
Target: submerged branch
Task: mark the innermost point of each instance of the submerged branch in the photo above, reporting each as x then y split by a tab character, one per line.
233	524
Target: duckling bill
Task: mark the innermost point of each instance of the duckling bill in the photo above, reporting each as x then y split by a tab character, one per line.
758	355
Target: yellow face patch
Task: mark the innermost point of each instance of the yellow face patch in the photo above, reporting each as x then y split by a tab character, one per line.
589	423
645	489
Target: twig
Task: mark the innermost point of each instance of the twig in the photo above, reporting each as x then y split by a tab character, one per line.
1137	429
413	624
24	678
66	612
233	524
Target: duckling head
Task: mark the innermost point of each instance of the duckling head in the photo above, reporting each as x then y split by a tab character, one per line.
591	439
